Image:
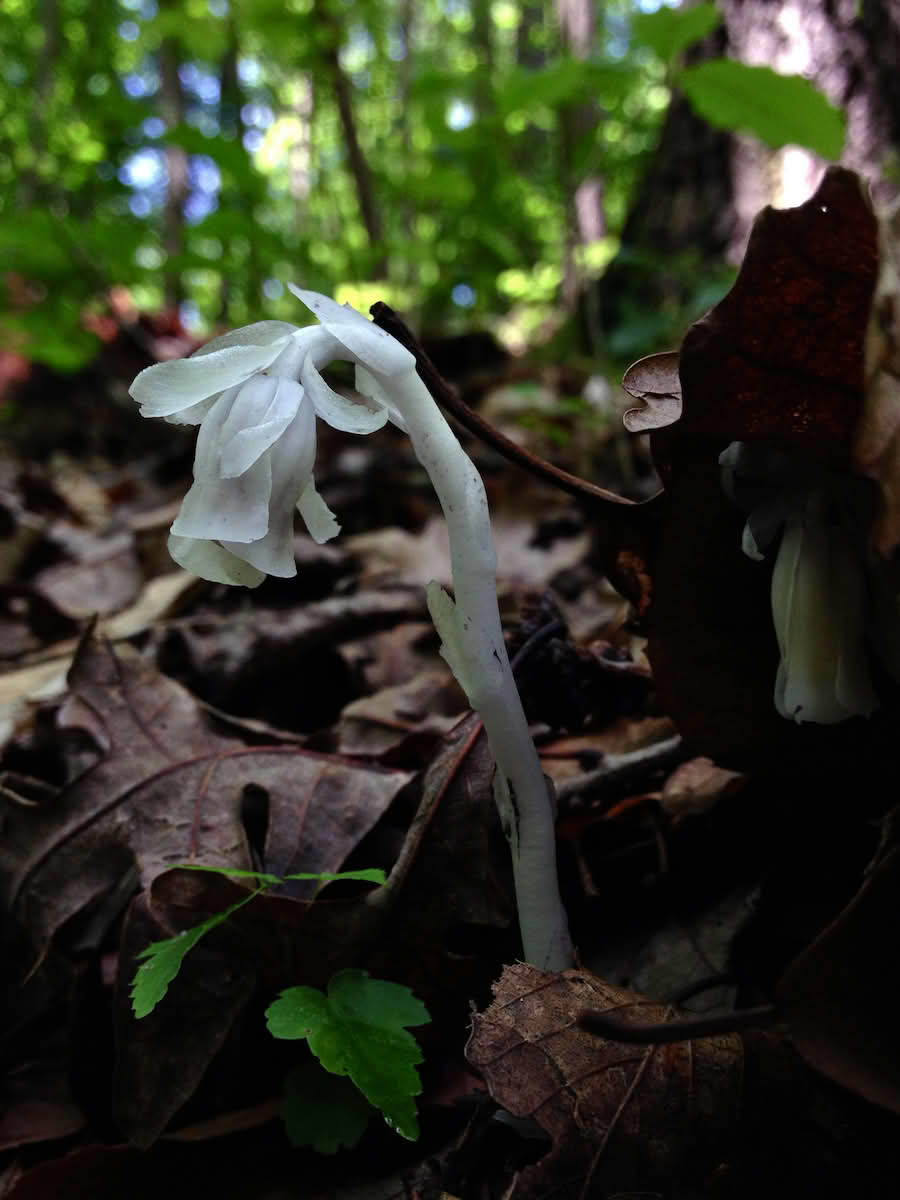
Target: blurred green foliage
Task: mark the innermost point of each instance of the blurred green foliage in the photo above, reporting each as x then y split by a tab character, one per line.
460	109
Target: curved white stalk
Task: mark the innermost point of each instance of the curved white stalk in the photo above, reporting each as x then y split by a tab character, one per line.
256	394
473	646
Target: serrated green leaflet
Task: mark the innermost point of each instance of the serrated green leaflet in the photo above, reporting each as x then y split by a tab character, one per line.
779	109
164	958
323	1110
359	1029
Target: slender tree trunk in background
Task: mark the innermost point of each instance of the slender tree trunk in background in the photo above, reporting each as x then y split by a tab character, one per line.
529	53
359	166
483	44
48	15
171	100
586	221
405	78
231	107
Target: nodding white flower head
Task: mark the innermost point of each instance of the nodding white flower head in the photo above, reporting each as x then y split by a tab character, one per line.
256	393
822	594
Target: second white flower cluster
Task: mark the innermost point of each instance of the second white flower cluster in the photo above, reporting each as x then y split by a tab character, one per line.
256	394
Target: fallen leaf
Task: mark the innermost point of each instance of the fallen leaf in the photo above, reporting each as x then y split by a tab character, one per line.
169	789
420	710
697	787
36	1106
620	1117
654	381
104	579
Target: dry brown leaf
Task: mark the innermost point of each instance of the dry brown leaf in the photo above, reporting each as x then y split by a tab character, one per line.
619	1116
420	710
105	578
168	790
697	786
655	382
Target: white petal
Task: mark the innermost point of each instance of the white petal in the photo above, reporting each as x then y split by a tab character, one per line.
263	408
292	458
817	606
260	333
317	516
224	509
211	561
170	387
193	415
367	385
368	343
762	526
349	415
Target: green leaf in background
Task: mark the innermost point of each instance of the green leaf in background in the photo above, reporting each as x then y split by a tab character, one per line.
778	109
164	958
358	1029
322	1110
668	31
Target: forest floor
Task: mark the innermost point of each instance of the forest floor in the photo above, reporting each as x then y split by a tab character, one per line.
150	720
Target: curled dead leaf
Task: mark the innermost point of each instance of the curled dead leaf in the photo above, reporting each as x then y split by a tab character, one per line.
654	380
619	1116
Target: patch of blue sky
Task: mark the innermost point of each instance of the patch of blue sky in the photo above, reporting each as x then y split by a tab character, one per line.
143	170
203	84
204	174
198	206
463	295
460	114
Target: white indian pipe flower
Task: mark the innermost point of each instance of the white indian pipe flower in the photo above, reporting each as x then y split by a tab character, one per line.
256	393
820	593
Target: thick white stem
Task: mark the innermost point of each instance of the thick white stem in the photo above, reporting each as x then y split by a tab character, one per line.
473	645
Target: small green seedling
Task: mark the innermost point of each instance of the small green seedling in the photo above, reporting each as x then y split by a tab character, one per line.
358	1028
357	1031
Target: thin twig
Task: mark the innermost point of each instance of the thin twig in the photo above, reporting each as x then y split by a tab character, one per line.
574	485
618	770
657	1033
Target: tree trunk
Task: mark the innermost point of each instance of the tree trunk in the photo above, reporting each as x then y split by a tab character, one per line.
171	96
359	166
584	197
